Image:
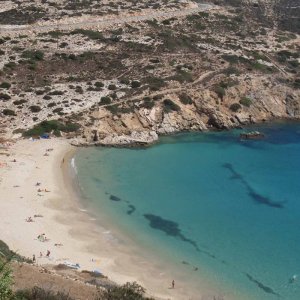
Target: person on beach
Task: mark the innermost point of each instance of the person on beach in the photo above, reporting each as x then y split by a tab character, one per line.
173	284
48	253
33	258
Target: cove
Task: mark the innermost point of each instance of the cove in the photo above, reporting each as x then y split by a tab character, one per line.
209	202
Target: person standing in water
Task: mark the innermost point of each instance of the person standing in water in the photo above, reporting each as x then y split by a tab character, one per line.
173	284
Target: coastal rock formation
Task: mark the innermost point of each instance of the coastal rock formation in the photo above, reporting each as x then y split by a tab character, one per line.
142	126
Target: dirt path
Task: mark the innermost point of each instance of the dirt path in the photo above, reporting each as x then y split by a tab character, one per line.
167	91
104	22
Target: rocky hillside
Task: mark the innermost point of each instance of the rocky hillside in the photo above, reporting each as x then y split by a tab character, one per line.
283	14
131	79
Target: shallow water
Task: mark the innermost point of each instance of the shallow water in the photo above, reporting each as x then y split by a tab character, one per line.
209	203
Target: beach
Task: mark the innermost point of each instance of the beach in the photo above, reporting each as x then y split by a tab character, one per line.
35	184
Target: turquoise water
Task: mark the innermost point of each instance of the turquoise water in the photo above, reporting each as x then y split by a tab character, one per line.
211	203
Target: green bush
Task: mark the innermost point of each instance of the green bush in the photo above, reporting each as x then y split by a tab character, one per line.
99	84
35	108
124	80
51	104
112	87
5	279
19	102
220	91
128	291
182	76
245	101
185	99
169	106
105	100
37	293
148	103
5	85
235	107
47	97
233	59
92	34
33	55
155	83
58	110
296	83
231	70
4	97
8	112
49	126
56	93
135	84
10	65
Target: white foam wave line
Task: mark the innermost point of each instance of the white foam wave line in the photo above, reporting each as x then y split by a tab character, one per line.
73	165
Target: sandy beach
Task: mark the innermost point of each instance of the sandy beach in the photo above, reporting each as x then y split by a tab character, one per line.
33	184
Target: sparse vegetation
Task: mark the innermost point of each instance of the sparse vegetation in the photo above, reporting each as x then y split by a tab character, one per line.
35	108
128	291
5	85
52	126
4	97
8	112
91	34
170	106
37	293
112	87
105	100
33	55
220	91
19	102
155	83
185	99
245	101
235	107
135	84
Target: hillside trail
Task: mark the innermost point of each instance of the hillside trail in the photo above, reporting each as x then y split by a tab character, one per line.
185	88
104	22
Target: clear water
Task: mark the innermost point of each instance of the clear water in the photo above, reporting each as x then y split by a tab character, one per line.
230	208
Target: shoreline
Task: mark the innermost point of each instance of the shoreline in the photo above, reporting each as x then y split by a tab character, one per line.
84	240
93	242
132	144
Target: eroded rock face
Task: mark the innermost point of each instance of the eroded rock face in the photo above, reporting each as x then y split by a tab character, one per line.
142	126
292	105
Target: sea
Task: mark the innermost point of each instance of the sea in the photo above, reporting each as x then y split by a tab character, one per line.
210	203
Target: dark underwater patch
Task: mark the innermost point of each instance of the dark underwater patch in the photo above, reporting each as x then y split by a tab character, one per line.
169	228
261	285
256	197
264	200
131	209
114	198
